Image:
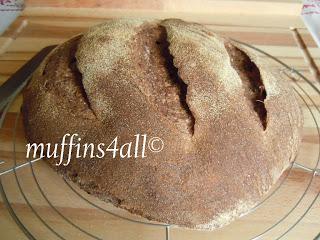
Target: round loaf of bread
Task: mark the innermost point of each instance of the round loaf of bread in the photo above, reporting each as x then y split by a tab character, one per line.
229	124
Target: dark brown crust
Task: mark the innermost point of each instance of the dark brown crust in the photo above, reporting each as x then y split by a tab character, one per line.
218	160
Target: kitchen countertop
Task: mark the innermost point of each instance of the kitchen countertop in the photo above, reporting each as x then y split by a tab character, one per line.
42	23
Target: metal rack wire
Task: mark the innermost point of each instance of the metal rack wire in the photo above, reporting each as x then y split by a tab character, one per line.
313	110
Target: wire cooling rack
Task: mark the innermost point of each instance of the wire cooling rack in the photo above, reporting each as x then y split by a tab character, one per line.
23	183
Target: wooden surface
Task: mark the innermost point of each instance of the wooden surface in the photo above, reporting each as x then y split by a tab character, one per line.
263	24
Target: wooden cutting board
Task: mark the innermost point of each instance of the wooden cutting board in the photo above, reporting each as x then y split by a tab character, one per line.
65	212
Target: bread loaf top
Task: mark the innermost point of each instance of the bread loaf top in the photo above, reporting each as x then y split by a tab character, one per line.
230	124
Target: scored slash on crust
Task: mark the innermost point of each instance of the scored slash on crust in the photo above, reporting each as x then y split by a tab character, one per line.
162	85
177	81
250	76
